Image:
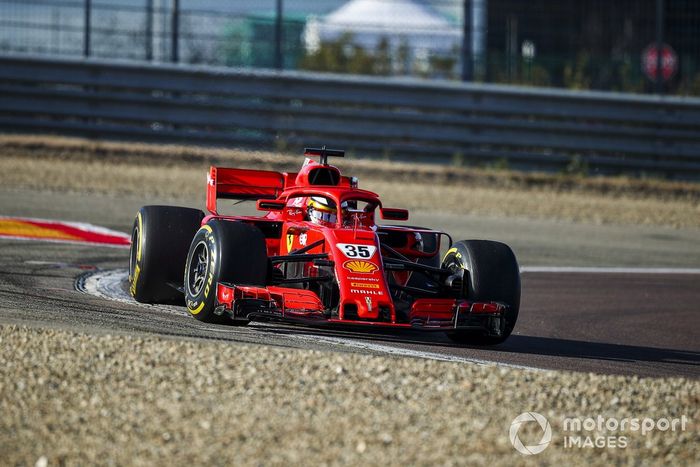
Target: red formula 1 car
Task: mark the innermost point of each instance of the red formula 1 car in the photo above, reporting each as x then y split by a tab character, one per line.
318	257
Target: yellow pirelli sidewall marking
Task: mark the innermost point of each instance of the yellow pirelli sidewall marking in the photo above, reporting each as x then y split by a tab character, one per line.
200	307
451	250
132	288
139	242
210	280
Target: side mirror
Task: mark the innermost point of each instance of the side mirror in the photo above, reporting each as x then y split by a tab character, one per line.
394	214
270	205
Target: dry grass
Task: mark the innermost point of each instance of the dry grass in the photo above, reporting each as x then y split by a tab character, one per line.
71	164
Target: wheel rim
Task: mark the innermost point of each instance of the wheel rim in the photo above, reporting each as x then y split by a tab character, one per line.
199	267
452	264
134	249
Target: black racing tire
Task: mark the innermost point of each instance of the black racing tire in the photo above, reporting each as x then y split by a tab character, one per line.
223	251
493	275
160	239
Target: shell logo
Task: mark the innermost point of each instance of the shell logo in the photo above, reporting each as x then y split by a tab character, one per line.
361	267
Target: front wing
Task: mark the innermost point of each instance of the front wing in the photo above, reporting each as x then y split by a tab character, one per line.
250	303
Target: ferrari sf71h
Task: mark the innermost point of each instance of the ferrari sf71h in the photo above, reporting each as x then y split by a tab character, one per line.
317	255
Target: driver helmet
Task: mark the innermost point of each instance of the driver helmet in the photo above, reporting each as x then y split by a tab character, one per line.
321	211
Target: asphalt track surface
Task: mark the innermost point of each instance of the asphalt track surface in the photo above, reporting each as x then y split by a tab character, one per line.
630	321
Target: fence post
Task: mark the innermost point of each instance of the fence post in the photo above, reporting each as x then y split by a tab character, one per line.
87	27
659	46
175	32
149	30
279	64
467	43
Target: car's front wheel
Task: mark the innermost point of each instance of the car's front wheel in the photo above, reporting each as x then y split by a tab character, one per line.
492	275
222	251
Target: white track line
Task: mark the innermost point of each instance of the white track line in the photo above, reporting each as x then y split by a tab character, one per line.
609	270
110	285
402	352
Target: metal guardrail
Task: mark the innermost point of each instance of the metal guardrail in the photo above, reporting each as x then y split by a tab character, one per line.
397	118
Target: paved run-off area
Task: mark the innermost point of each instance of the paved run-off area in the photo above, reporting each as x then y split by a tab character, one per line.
103	393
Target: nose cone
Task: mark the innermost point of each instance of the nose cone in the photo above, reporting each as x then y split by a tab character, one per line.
364	293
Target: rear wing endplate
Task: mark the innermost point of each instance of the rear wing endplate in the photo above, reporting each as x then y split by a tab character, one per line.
228	183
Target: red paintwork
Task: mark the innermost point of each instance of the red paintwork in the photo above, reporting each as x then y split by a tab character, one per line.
437	313
242	183
362	281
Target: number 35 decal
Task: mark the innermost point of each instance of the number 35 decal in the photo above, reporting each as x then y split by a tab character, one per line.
357	251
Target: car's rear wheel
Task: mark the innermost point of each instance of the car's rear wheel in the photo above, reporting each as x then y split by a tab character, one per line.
492	274
160	239
222	251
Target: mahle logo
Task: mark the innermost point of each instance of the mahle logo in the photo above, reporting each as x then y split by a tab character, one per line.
534	448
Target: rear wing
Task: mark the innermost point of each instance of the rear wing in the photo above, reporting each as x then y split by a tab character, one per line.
228	183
